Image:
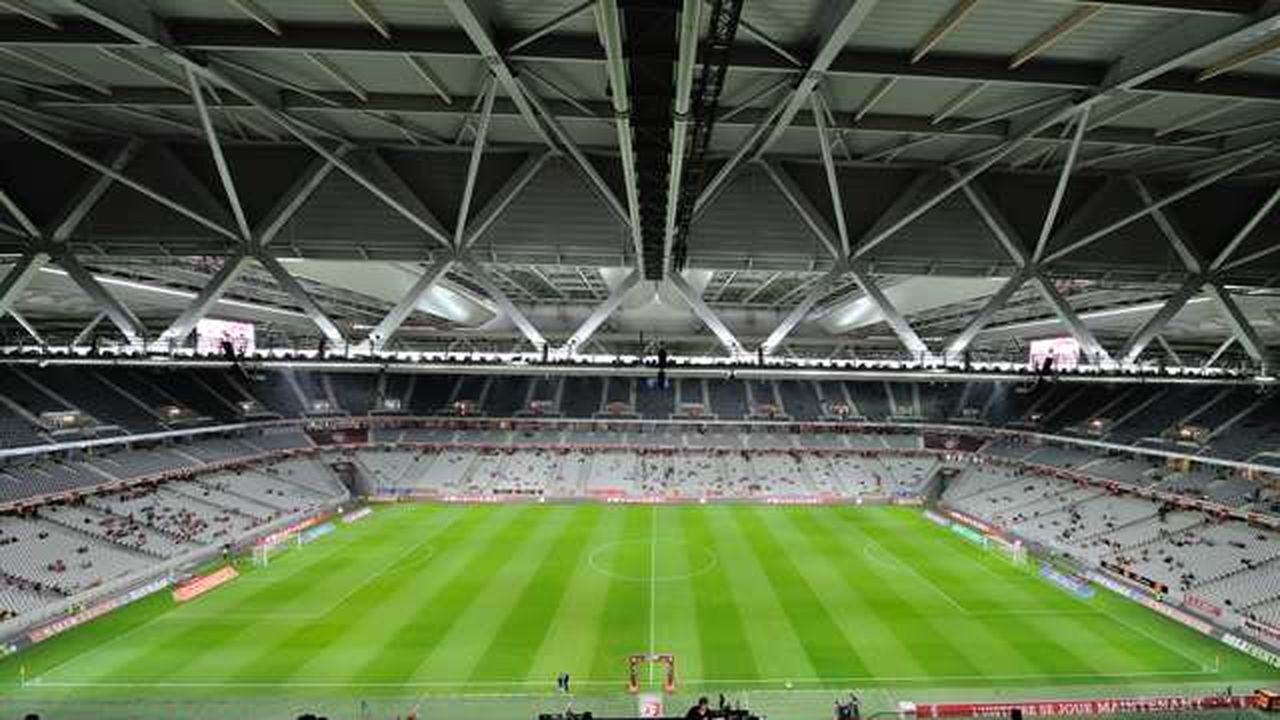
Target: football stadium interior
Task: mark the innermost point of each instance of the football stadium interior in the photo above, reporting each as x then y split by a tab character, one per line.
561	359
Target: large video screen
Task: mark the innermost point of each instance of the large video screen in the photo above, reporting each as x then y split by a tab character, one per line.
212	333
1065	352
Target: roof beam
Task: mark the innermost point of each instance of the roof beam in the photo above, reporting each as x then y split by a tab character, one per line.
959	345
26	325
833	182
1051	36
127	58
31	12
338	75
290	285
955	104
1220	262
504	303
295	197
24	220
994	127
214	36
686	62
219	159
505	195
429	77
473	166
214	288
255	12
944	26
366	10
582	335
803	206
1242	330
704	313
1257	152
87	331
1154	325
386	328
1060	191
897	322
551	25
1240	59
116	175
15	282
53	67
818	290
845	19
121	316
95	187
1094	352
610	30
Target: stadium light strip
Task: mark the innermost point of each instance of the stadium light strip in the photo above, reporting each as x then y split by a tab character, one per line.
184	294
1152	306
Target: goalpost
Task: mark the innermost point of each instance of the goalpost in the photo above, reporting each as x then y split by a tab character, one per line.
666	660
263	553
1013	551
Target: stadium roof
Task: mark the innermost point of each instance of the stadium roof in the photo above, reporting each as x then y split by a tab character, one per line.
902	175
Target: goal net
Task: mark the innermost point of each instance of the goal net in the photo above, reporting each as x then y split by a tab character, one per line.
264	553
1013	551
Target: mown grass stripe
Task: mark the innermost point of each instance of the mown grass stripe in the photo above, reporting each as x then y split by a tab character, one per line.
283	647
521	632
164	650
354	640
724	647
623	626
898	625
775	646
572	633
442	596
824	641
477	628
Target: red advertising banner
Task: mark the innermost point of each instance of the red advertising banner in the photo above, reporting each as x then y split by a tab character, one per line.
202	584
1200	604
1263	629
281	535
1101	706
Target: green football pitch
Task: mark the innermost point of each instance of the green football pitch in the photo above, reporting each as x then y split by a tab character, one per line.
495	601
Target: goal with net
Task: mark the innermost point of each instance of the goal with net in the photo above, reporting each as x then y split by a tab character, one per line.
264	552
1012	550
665	661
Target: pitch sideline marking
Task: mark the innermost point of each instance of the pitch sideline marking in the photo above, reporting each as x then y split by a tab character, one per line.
603	683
